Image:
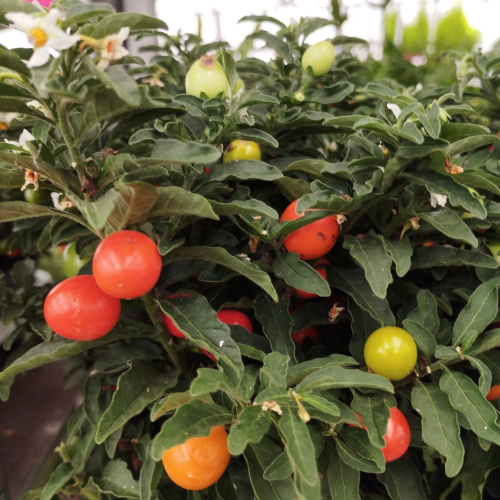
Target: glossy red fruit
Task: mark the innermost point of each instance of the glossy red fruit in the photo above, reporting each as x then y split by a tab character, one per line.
78	309
313	240
209	355
322	272
233	317
494	393
397	437
127	264
169	324
311	333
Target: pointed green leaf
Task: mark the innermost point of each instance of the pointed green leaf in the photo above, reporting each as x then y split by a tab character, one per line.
440	428
467	399
299	274
403	480
252	425
137	388
276	324
370	254
194	419
343	480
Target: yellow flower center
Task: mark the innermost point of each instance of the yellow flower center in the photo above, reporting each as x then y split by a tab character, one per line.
3	126
37	37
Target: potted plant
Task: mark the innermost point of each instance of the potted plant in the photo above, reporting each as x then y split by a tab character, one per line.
291	293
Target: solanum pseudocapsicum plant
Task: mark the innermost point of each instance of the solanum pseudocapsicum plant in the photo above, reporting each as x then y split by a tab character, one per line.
121	147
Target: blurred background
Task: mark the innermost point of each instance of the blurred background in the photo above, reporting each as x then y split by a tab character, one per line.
416	27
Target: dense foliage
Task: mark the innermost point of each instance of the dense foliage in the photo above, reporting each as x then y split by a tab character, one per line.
412	176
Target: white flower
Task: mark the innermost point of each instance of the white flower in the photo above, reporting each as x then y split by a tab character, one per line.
438	199
23	138
111	48
6	118
43	33
395	109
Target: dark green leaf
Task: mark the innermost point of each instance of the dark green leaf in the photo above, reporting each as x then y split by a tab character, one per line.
343	480
450	224
440	428
136	22
117	480
222	257
137	388
276	324
439	256
244	170
173	151
403	480
252	425
274	371
467	399
299	274
193	419
370	254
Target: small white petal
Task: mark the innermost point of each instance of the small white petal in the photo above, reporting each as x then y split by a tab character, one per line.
25	136
395	109
22	21
123	34
62	41
438	199
40	57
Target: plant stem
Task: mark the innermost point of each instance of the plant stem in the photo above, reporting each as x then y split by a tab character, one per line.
67	133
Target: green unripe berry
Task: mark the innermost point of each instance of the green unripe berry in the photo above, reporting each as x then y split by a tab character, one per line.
319	57
206	76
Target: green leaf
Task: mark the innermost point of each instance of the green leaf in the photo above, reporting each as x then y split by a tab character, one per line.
467	399
252	425
10	60
174	201
459	195
208	381
470	143
322	404
479	312
253	97
485	374
222	257
453	131
280	468
403	480
356	451
298	445
440	429
80	13
194	317
118	80
477	467
173	151
259	457
276	324
243	170
47	352
343	480
335	377
273	42
332	94
299	274
149	475
229	69
244	207
298	372
354	283
136	22
173	401
370	254
430	120
131	206
441	256
194	419
400	252
117	480
274	371
479	179
423	323
450	224
61	475
253	134
137	388
97	212
375	412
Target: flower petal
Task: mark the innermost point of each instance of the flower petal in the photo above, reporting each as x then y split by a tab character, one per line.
40	57
60	40
22	21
